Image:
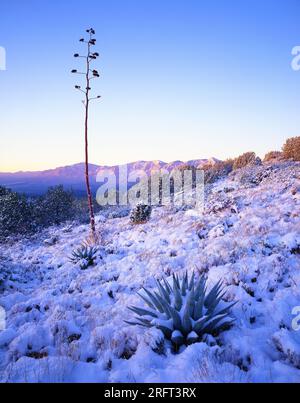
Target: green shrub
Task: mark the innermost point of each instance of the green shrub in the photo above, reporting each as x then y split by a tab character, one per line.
140	214
245	160
273	156
85	255
21	215
15	214
55	207
213	172
186	312
291	149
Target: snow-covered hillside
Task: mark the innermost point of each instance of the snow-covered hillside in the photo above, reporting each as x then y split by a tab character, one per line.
65	324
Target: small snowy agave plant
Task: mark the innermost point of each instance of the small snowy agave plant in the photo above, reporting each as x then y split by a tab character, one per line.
185	312
85	255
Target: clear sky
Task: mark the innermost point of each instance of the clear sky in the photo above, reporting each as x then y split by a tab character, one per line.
181	79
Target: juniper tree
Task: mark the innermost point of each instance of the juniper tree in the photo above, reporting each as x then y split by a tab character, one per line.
90	74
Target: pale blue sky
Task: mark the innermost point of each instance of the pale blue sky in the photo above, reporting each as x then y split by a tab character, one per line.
181	79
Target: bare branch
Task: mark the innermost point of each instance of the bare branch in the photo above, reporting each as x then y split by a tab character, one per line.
98	97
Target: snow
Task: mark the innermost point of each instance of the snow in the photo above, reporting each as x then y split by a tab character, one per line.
67	325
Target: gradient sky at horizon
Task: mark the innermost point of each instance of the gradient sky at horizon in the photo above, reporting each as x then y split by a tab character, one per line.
181	79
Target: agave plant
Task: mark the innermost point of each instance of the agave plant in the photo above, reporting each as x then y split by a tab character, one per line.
86	255
186	311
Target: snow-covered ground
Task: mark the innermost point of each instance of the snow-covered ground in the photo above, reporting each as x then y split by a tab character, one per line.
65	324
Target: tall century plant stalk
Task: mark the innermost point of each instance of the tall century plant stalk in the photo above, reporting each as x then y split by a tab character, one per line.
89	74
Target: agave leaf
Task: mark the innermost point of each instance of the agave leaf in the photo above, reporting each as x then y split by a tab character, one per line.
176	280
166	331
213	294
138	324
224	326
164	294
211	308
142	312
146	300
200	324
164	304
144	322
192	282
200	288
212	324
186	323
192	338
184	285
192	301
177	323
177	338
226	310
168	287
154	300
177	295
198	310
186	320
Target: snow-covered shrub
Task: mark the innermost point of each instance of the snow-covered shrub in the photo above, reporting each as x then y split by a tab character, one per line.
288	344
253	176
246	160
291	149
214	172
55	207
273	156
140	214
186	312
118	212
21	215
85	256
15	214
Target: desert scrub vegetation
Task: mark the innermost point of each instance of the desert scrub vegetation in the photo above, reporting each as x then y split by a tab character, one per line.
26	216
54	208
273	156
140	214
185	312
16	215
214	172
291	149
245	160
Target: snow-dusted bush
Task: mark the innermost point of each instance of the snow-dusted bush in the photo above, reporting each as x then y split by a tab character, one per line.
55	207
214	172
288	344
186	312
118	212
246	160
85	256
140	214
253	176
291	149
15	214
273	156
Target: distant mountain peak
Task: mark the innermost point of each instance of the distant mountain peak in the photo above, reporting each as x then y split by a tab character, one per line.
72	176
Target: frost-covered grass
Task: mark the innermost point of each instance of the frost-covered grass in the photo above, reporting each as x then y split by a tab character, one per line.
65	324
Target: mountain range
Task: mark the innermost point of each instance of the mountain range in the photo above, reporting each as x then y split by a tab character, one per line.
72	177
